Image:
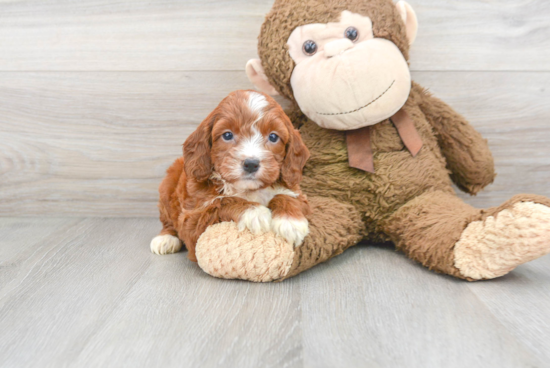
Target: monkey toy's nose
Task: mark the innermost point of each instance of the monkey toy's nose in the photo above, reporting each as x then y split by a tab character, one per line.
251	165
334	48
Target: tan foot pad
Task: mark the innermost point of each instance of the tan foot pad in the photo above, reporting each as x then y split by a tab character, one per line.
495	246
225	252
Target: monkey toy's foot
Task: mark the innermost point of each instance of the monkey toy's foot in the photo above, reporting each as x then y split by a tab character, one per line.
515	233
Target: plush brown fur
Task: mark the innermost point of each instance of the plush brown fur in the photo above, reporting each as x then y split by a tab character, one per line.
427	228
402	181
409	200
333	228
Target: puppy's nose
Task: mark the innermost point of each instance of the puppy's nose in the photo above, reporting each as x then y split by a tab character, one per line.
251	165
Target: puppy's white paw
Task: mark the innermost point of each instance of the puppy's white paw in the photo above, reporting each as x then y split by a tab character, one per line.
291	229
165	244
256	219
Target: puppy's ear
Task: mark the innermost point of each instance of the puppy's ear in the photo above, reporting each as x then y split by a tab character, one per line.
196	150
296	157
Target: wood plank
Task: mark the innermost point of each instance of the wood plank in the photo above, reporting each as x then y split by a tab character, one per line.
511	111
96	296
98	144
176	315
129	35
16	246
64	290
108	135
372	307
173	35
482	35
520	301
87	292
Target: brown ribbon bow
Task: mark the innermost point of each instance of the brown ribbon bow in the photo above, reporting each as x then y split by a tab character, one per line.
360	155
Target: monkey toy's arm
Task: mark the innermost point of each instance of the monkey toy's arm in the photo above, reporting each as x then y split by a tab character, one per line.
224	251
466	151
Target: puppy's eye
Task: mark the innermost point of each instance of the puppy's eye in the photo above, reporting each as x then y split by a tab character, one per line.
352	33
227	136
310	47
273	137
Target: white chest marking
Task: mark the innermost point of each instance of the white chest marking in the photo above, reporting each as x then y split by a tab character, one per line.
264	196
261	196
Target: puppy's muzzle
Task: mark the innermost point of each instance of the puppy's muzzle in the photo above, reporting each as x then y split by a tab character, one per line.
251	165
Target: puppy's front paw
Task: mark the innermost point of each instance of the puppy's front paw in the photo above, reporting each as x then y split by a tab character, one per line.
291	229
257	219
165	244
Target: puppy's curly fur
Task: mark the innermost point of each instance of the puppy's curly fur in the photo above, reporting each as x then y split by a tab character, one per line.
244	164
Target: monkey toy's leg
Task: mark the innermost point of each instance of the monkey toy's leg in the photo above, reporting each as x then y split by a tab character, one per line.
222	251
446	235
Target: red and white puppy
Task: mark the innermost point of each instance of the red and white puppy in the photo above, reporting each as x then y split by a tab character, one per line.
244	164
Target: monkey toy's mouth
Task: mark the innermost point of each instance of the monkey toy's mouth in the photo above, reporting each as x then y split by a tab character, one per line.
360	108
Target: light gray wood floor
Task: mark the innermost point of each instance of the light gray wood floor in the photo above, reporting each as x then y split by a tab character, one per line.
87	292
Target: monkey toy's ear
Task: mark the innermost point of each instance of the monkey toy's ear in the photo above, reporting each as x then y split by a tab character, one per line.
256	74
409	18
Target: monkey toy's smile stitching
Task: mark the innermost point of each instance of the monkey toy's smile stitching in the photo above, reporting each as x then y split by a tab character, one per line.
360	108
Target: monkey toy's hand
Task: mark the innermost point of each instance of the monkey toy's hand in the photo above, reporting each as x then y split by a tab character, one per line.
226	252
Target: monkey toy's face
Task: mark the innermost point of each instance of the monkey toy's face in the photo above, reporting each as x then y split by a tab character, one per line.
344	77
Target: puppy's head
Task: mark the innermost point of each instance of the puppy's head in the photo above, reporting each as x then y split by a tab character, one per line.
249	141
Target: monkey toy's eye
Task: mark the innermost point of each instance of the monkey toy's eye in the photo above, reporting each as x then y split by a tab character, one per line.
227	136
352	33
273	137
310	47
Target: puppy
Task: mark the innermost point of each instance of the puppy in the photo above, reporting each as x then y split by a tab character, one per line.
244	164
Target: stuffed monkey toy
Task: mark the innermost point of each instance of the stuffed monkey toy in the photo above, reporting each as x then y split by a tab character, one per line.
384	154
